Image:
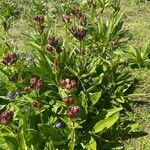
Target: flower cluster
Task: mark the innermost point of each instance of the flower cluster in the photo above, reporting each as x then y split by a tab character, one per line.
78	33
68	100
6	117
68	84
10	58
35	83
73	111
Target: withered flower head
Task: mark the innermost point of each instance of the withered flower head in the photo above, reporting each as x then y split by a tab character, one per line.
14	77
80	33
53	41
39	19
77	12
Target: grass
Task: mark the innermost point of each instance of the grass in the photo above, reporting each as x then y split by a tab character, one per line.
137	20
141	114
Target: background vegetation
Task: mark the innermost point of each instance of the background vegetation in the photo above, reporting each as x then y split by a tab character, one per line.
17	25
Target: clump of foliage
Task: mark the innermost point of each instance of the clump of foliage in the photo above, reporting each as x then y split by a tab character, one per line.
67	91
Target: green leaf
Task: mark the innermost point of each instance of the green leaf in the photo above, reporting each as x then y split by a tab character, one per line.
84	99
12	142
112	111
52	133
94	97
91	145
50	146
22	142
106	123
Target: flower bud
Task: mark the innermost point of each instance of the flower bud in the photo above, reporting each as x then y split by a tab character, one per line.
28	90
6	117
68	100
62	82
73	111
68	84
37	104
68	87
73	83
36	83
67	81
33	81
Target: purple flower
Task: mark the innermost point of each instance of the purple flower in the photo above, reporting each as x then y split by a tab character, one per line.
26	110
58	125
10	95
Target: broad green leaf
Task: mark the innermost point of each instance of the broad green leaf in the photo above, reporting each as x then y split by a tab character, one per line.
112	111
94	97
106	123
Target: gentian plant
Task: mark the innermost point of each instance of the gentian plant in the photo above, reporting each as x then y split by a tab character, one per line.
72	94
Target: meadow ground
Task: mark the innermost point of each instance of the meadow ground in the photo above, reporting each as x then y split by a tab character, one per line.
138	22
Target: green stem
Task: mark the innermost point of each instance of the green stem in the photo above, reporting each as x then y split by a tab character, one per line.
73	138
